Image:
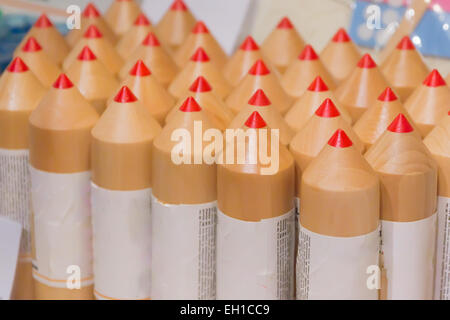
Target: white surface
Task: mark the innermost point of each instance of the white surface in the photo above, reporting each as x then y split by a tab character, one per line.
255	260
62	225
224	18
442	283
409	252
334	268
10	232
183	251
122	243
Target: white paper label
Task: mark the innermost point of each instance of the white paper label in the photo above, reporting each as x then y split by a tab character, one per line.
408	250
63	231
183	251
10	233
442	282
255	260
335	268
122	243
15	194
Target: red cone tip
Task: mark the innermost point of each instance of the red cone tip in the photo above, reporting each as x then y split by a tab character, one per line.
400	125
327	109
17	65
92	32
366	62
259	99
249	44
32	45
140	69
255	121
200	85
200	56
91	11
405	44
387	95
86	54
434	79
125	96
308	53
151	40
190	105
285	23
318	85
178	5
142	20
43	22
200	27
259	69
63	82
340	140
341	36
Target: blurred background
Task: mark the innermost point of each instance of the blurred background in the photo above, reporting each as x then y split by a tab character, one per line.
231	20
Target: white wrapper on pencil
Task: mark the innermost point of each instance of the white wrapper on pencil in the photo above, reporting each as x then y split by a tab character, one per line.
407	256
442	279
122	243
330	267
62	225
15	194
183	251
261	269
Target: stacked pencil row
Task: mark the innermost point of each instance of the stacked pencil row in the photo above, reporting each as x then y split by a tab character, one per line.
144	163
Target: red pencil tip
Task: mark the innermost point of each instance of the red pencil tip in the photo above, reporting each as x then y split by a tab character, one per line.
91	11
200	85
255	121
86	54
259	99
125	96
249	44
387	95
366	62
43	22
327	109
200	27
318	85
341	36
178	5
151	40
200	56
259	69
308	53
340	140
434	79
400	125
17	66
140	69
190	105
285	23
405	44
92	32
63	82
142	20
32	45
